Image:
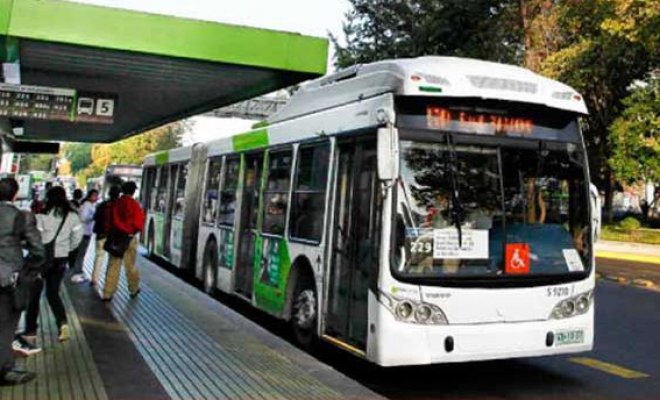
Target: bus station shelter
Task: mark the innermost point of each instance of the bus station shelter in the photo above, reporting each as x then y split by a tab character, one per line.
83	73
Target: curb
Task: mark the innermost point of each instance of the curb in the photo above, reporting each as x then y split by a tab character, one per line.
628	257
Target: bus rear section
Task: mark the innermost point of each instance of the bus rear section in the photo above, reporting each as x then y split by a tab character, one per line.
487	246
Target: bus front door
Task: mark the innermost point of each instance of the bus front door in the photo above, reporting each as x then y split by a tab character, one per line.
248	223
354	247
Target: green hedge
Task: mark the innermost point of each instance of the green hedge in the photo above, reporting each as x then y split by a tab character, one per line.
649	236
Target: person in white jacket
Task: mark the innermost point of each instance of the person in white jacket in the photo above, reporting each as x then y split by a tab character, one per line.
86	213
62	229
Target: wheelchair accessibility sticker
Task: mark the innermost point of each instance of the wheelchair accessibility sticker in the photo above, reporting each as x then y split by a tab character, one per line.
517	258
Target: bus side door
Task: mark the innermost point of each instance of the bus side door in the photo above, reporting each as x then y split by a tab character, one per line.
354	248
247	225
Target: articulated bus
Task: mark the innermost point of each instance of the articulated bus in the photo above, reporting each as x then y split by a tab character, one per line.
409	211
116	174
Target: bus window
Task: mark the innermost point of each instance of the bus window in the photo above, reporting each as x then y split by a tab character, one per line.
228	193
308	202
277	192
210	207
180	194
161	192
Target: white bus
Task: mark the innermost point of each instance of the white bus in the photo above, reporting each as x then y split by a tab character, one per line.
116	175
410	211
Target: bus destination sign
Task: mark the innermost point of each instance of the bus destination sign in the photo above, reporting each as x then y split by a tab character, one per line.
55	104
445	118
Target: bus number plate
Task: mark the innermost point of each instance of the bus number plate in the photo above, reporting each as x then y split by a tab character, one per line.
574	336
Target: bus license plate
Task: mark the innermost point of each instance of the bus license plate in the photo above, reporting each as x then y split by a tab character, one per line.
569	337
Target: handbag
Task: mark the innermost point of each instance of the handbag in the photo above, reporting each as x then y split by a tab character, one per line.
22	289
117	243
23	284
50	247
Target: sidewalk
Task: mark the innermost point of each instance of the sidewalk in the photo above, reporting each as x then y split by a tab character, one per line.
171	342
625	251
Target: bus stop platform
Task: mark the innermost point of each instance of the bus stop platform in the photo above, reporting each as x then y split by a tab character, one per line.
171	342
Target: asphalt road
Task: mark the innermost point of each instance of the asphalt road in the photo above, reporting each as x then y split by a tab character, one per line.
629	271
625	363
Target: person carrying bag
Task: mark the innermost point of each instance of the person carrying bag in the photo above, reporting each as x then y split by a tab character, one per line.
18	231
127	220
62	230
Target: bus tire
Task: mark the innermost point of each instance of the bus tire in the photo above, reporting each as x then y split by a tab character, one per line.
304	311
210	267
151	241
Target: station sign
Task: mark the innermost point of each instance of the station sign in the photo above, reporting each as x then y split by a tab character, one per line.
56	104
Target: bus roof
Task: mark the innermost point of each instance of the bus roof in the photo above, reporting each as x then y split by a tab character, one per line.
431	76
425	76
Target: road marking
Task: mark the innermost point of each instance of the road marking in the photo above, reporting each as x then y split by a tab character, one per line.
612	369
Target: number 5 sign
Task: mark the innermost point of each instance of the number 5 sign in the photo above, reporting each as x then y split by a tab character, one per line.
517	258
105	107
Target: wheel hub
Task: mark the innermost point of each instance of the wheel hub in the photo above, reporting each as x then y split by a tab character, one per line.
305	309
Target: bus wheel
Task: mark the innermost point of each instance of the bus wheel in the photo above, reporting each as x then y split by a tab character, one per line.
210	268
304	314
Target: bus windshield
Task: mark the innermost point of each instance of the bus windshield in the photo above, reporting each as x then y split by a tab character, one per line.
514	208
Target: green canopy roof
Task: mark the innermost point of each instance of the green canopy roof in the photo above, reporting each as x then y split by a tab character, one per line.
159	68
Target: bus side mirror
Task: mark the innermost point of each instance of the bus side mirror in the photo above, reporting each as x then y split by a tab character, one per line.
388	153
594	202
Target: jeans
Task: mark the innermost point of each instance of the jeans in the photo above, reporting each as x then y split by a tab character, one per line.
114	268
99	259
77	267
52	279
8	321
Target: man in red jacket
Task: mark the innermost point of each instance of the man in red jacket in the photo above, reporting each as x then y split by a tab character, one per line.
127	217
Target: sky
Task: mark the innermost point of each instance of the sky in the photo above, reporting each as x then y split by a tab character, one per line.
308	17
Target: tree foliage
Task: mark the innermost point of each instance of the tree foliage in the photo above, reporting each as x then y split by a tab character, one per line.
79	154
604	47
635	136
131	150
36	162
599	47
379	29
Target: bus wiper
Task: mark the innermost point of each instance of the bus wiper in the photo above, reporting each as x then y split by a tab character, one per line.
457	212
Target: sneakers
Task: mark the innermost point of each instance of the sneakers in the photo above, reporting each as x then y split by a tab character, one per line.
64	333
30	338
17	377
78	278
23	348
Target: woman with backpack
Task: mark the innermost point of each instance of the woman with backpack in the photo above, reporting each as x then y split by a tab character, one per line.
61	231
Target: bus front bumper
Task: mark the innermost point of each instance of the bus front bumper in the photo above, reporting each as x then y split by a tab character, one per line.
395	343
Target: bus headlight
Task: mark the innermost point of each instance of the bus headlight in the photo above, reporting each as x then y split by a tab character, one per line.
576	305
423	313
403	310
414	312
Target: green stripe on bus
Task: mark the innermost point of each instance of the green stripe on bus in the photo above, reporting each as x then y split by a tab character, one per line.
250	140
162	158
431	89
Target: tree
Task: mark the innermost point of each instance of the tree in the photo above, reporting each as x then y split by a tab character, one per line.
131	150
635	136
605	46
36	162
79	154
380	29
